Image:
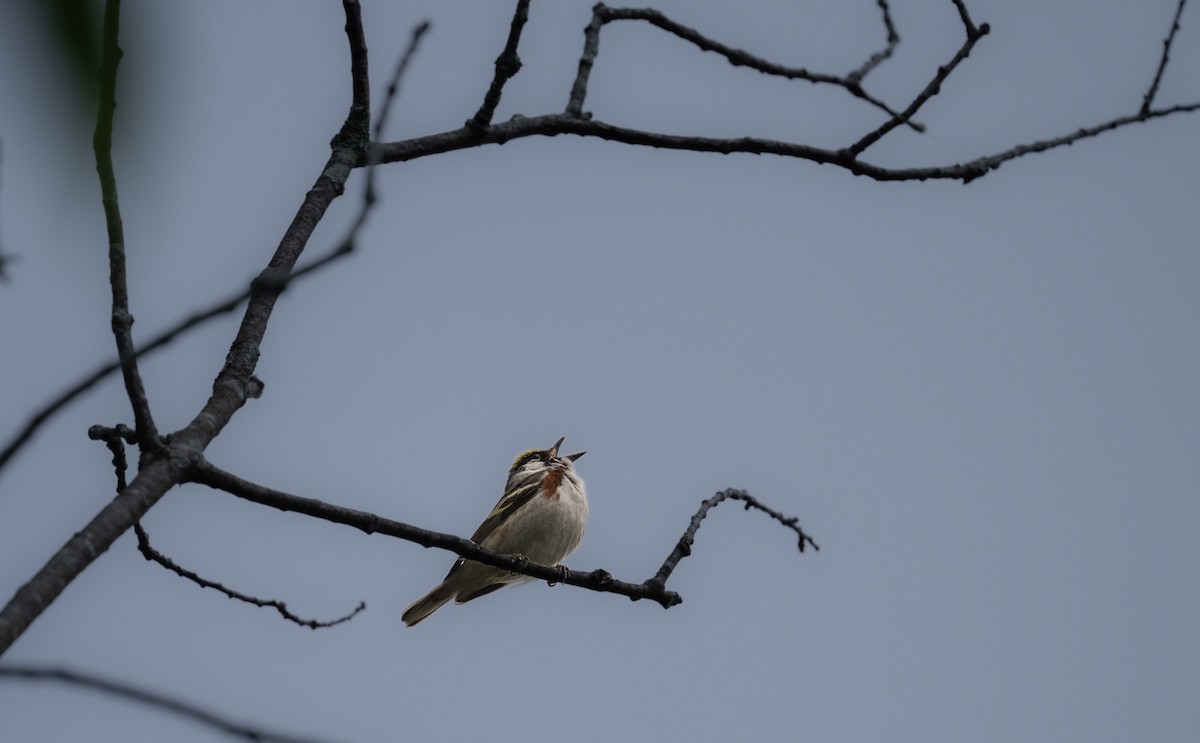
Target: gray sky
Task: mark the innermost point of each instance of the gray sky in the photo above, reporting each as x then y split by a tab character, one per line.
979	400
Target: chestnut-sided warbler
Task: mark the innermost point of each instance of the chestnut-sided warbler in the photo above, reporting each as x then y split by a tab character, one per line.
541	517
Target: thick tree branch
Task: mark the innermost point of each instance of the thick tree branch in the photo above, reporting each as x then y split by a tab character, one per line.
149	698
164	468
122	319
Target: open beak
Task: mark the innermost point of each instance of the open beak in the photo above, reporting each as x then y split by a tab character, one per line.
569	457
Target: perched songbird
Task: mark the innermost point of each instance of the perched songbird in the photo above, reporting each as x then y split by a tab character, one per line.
541	517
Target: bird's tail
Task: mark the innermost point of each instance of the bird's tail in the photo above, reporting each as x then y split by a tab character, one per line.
429	604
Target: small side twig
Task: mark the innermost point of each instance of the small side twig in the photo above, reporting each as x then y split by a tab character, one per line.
115	439
122	319
893	40
508	64
603	14
974	34
149	698
1148	99
155	556
683	548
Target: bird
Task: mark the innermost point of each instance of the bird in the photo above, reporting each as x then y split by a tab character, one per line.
541	517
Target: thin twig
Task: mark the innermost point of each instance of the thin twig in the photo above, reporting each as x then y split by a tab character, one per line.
155	556
893	40
393	89
933	88
965	16
115	439
149	698
1148	99
683	548
508	64
222	307
122	320
736	57
5	258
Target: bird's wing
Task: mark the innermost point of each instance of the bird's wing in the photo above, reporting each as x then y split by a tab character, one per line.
505	508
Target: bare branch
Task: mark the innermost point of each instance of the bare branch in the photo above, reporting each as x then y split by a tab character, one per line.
272	283
983	165
508	64
933	88
115	439
222	307
968	24
393	89
556	124
596	580
122	320
684	547
1148	99
893	40
149	698
738	58
162	469
155	556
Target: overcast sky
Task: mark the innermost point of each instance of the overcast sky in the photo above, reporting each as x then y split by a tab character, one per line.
981	401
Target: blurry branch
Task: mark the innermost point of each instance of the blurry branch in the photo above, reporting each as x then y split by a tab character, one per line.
115	438
148	698
155	556
575	120
122	320
222	307
893	39
5	258
653	589
163	467
343	248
